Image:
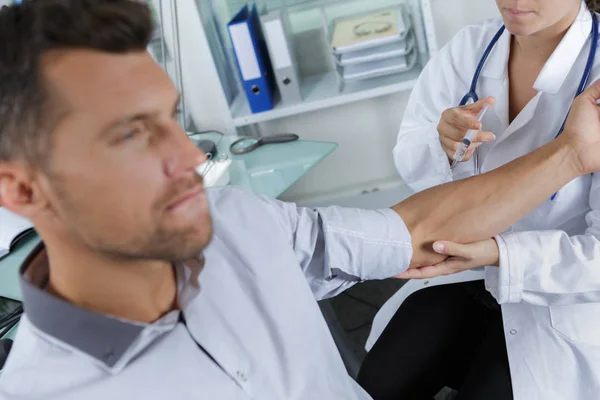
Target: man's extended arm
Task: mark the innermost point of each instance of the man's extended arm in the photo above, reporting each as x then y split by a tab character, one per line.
483	206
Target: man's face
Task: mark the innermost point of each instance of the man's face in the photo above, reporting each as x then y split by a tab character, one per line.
121	178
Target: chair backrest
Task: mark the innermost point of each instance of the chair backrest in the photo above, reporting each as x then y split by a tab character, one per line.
10	314
5	346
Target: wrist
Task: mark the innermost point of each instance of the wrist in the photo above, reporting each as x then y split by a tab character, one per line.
495	253
571	151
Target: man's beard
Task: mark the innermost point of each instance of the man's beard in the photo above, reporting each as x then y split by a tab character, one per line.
161	245
158	242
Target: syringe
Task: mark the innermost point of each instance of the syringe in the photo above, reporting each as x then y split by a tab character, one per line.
468	139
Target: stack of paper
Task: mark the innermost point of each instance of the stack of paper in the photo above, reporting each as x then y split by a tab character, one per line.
12	228
375	44
366	31
396	49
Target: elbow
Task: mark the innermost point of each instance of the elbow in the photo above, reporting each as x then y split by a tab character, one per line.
421	234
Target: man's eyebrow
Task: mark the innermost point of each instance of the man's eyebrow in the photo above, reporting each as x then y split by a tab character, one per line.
135	117
122	122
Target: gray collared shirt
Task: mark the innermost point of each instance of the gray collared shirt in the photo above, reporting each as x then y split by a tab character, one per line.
252	330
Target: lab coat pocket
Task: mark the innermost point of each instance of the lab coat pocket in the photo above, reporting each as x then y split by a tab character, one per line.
579	323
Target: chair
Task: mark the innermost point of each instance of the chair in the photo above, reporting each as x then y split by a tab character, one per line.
387	311
342	341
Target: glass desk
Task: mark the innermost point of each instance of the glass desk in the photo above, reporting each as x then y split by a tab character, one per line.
271	169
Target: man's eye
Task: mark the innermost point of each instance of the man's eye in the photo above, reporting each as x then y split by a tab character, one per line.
130	134
177	112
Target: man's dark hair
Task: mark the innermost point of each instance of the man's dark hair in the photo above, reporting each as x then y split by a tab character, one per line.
29	31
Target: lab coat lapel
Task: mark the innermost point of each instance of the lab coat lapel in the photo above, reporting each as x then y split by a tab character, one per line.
497	63
494	78
557	68
522	119
500	109
495	158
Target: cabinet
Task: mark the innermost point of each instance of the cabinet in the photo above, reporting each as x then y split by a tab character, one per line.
309	30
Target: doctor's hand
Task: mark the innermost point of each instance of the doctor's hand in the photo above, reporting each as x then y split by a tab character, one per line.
454	124
582	129
461	257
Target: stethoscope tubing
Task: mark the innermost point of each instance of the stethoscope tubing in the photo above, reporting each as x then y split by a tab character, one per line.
585	78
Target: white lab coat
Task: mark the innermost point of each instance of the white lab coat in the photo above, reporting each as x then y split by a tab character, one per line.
548	282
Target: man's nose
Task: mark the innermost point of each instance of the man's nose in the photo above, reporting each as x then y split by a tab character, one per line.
185	157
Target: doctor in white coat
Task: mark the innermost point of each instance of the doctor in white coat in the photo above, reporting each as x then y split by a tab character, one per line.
530	327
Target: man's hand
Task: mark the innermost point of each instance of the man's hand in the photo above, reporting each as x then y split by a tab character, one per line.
582	129
461	257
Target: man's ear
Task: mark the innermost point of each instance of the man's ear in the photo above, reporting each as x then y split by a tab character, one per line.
20	190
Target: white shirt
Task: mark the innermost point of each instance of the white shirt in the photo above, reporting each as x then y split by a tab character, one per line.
549	277
253	327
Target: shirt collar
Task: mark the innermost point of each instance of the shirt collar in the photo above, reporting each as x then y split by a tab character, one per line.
105	338
496	64
559	64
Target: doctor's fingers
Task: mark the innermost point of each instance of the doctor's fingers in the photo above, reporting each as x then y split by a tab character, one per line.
451	131
457	133
470	152
484	137
450	150
447	267
461	117
478	105
452	145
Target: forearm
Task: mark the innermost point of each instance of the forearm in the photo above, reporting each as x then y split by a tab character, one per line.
483	206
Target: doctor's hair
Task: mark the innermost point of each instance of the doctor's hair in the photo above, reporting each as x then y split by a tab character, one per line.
30	32
593	5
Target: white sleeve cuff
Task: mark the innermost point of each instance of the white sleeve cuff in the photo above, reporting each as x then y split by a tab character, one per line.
438	154
366	244
505	282
443	169
420	159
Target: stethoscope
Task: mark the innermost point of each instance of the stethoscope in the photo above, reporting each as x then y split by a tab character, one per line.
471	96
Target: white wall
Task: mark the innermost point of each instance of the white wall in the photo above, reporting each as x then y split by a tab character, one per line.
451	15
366	131
208	107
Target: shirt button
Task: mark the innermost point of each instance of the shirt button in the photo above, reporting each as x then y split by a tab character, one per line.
241	376
513	332
108	356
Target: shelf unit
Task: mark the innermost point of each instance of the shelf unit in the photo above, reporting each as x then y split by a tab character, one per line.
320	92
319	82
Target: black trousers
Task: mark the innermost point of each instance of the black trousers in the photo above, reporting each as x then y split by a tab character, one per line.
450	335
